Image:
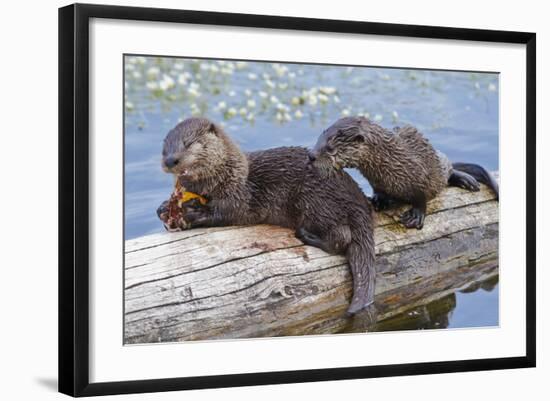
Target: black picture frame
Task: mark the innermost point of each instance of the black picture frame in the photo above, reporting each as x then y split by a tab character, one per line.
74	198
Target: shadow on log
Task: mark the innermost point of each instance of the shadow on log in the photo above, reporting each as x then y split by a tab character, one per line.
258	281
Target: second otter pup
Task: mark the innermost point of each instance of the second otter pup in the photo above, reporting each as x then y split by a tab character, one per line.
401	166
274	186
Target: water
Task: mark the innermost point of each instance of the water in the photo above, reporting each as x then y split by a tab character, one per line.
263	105
476	306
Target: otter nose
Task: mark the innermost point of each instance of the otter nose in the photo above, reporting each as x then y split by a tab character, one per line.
312	157
171	161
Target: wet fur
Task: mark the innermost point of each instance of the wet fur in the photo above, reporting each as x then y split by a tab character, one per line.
401	165
277	186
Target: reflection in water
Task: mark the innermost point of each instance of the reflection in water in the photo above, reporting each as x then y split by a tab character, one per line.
453	310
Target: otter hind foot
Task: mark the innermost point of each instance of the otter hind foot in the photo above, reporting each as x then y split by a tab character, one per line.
413	218
311	239
463	180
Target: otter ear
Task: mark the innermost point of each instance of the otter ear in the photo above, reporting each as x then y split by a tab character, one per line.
213	129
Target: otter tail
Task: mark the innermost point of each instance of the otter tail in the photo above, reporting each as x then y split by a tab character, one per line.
360	255
479	173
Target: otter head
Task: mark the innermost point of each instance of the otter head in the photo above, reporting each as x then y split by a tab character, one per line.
194	149
341	145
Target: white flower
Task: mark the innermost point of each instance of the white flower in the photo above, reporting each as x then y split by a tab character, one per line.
195	110
270	83
167	83
232	93
193	91
241	65
231	112
385	77
243	111
292	75
252	76
476	85
182	79
298	114
222	105
214	68
250	117
262	94
274	99
178	66
336	99
129	105
282	107
492	87
328	90
136	75
248	92
153	72
152	85
295	101
378	117
283	85
345	112
322	98
312	100
251	103
280	70
395	115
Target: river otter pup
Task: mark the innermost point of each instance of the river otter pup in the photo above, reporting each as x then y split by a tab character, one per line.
401	166
275	186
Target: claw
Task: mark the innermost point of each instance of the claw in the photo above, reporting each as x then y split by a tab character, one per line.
413	218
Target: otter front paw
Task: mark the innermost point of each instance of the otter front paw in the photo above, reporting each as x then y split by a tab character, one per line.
413	218
196	217
163	211
468	183
172	218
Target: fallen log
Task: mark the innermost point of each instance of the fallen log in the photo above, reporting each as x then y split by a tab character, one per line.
257	281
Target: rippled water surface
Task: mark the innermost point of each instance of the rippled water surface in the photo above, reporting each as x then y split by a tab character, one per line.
263	105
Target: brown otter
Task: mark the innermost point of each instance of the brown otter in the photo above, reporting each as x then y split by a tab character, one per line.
275	186
401	166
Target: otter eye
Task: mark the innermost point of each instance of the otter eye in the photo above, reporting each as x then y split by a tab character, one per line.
330	149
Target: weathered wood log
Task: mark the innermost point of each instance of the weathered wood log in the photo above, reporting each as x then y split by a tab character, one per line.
255	281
